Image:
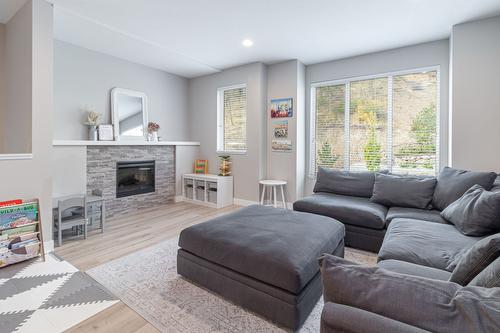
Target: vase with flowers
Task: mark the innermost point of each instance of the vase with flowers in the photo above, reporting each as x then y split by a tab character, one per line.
153	131
93	119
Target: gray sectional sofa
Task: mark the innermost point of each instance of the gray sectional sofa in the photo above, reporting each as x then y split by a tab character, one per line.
367	202
439	252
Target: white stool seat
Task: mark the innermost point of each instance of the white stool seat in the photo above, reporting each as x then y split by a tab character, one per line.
271	182
272	185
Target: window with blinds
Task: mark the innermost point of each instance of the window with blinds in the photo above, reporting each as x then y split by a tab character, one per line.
232	119
388	122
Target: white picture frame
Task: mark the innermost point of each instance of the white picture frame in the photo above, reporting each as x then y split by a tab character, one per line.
105	132
116	114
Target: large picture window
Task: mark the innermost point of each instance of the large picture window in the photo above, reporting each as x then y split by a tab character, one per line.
232	119
384	122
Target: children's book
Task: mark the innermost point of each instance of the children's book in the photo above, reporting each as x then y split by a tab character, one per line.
18	215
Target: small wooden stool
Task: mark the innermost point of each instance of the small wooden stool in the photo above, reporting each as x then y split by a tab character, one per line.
272	185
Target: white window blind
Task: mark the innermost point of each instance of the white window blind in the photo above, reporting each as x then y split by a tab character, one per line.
232	119
387	122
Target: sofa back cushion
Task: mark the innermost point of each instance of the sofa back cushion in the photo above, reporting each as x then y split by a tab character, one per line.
488	277
476	213
476	259
453	183
433	305
356	184
403	191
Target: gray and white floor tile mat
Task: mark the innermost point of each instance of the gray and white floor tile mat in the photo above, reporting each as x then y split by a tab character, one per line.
48	296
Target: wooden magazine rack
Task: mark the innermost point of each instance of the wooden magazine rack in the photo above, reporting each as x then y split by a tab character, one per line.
20	232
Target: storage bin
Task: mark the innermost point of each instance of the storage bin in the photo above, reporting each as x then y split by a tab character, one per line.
212	195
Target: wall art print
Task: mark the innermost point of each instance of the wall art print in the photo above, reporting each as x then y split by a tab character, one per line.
282	108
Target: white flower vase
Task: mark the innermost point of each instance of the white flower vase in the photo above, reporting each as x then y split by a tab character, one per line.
92	133
152	136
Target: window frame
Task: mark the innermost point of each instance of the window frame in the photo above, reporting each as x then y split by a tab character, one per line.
347	82
220	120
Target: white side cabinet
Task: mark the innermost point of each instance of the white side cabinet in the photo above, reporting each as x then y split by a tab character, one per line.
209	190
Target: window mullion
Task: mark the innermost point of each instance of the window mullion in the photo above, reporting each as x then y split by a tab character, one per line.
389	123
347	138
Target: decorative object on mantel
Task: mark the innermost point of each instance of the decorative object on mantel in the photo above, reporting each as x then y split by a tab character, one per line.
105	132
201	166
92	121
129	114
282	108
225	166
153	131
20	231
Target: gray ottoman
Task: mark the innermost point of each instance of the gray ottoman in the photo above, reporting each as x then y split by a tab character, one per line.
262	258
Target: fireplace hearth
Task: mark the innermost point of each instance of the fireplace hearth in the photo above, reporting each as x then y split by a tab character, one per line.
136	177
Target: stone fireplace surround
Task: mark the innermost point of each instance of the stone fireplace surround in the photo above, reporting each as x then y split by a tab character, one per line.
101	175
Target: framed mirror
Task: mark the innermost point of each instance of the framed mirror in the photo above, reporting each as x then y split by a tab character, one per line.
129	113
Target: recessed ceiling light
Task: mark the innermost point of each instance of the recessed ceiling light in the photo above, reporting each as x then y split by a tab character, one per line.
247	43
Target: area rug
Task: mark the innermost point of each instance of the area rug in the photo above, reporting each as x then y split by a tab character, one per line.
48	296
147	281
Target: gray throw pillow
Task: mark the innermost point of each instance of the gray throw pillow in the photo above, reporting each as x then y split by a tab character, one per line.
433	305
476	213
356	184
403	191
476	259
488	277
453	183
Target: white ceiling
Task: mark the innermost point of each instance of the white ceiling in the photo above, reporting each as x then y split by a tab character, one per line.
8	8
197	37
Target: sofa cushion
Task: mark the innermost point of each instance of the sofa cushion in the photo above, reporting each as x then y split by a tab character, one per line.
357	184
433	305
488	277
403	267
476	213
339	318
403	191
414	213
266	244
496	185
349	210
475	259
453	183
424	243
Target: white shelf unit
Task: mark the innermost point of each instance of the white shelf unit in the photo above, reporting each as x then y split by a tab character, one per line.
210	190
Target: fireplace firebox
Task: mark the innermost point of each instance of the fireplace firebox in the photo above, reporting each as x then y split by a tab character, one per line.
135	177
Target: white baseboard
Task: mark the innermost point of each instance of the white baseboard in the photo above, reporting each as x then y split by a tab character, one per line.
178	198
48	246
243	202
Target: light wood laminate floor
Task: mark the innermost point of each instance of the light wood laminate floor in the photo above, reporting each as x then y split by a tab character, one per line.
124	235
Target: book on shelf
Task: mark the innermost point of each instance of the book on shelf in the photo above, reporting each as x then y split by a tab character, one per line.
11	202
18	215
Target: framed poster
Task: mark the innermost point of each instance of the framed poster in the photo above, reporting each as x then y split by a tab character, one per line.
105	132
280	129
284	146
282	108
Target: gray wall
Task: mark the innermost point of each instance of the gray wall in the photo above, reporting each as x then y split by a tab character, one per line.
86	77
17	135
475	101
248	168
32	178
287	80
415	56
3	102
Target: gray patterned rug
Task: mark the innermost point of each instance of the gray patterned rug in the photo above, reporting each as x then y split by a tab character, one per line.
48	296
147	281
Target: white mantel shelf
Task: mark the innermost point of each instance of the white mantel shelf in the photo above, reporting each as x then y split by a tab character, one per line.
122	143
